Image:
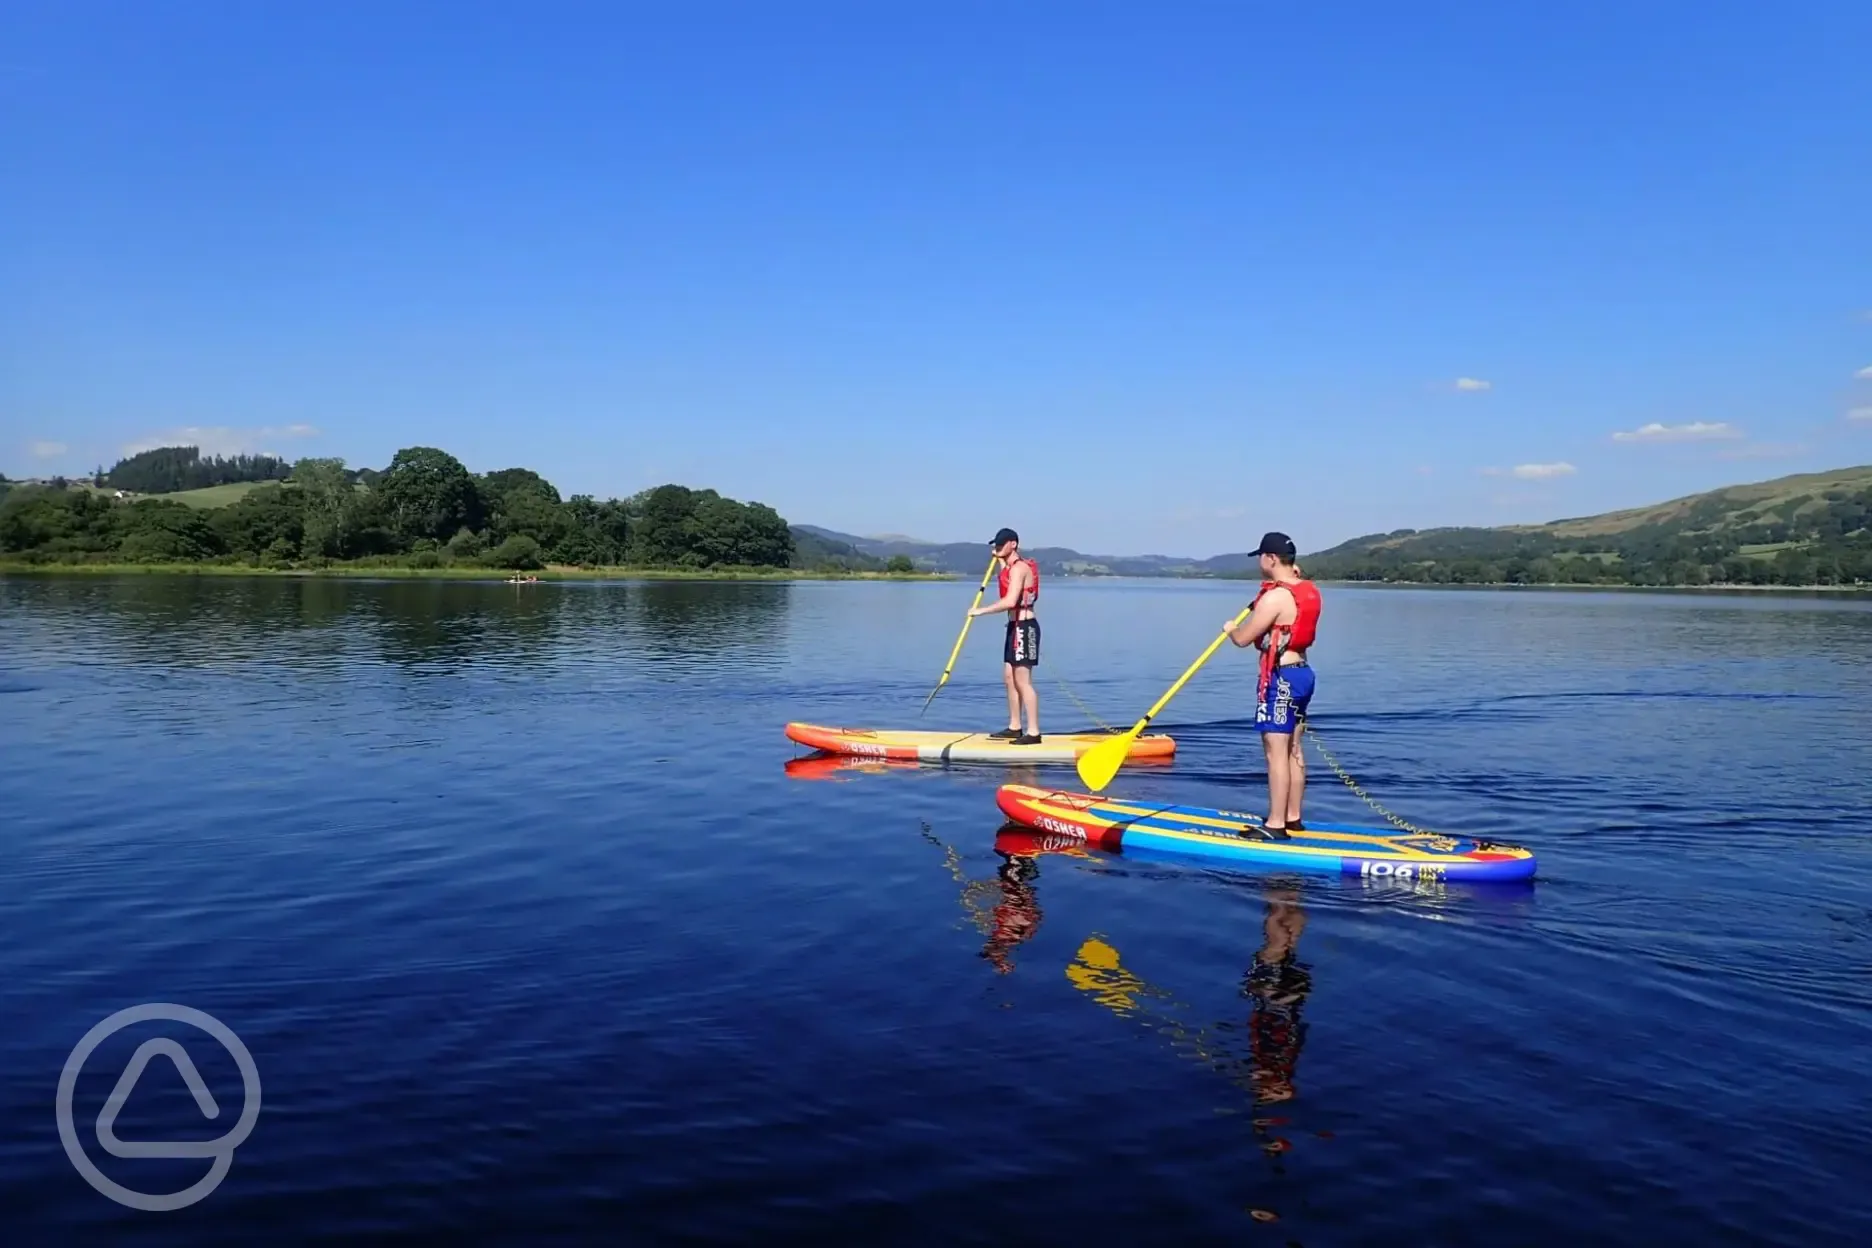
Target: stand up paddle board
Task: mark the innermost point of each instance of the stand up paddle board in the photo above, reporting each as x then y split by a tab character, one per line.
965	747
1110	823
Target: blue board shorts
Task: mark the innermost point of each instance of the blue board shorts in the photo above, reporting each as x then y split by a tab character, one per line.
1284	705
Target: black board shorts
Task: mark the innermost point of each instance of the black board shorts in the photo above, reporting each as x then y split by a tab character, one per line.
1022	647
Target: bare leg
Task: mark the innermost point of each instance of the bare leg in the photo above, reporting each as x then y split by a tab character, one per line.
1296	776
1029	698
1014	699
1278	746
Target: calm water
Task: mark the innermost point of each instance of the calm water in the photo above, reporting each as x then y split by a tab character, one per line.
534	936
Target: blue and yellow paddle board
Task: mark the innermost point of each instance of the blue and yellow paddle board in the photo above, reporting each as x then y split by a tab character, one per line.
1111	823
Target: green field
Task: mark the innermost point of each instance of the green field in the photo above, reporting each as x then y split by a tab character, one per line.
205	499
215	495
1761	550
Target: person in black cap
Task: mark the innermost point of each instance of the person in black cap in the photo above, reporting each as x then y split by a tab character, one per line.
1283	623
1019	588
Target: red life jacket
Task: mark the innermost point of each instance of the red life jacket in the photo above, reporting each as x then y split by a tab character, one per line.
1028	595
1296	637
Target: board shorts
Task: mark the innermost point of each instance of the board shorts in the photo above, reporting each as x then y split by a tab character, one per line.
1284	704
1022	647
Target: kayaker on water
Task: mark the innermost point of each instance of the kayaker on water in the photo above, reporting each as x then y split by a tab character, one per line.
1283	623
1019	589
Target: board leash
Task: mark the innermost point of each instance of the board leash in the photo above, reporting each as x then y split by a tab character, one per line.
1312	734
1067	690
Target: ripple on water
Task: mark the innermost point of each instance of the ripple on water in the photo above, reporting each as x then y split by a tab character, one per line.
533	933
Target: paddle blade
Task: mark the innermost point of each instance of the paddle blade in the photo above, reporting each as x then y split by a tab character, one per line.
1099	764
932	695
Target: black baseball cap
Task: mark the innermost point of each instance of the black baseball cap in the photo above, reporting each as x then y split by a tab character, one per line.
1002	538
1276	544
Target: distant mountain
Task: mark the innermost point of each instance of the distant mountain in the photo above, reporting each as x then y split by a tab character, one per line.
967	558
818	549
1811	529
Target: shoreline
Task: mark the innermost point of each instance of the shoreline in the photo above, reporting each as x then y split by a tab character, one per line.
567	572
488	575
1606	587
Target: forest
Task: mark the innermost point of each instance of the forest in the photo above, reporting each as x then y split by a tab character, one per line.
170	469
425	510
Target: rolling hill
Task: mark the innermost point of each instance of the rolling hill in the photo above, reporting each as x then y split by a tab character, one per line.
969	558
1810	529
812	548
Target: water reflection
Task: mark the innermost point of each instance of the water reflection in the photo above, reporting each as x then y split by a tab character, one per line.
1263	1057
176	621
842	767
687	623
677	628
1005	908
1259	1054
1276	985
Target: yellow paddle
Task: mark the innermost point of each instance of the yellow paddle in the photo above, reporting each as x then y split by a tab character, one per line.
1099	764
966	621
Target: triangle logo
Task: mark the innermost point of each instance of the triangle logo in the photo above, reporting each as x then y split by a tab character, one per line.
126	1083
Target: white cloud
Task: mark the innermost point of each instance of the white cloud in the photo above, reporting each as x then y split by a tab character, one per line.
48	450
221	440
1473	383
1860	413
1532	472
1695	431
1541	472
1864	374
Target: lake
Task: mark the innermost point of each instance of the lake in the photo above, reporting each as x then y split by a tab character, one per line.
534	931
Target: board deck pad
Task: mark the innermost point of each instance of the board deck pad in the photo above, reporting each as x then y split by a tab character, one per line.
1203	832
942	747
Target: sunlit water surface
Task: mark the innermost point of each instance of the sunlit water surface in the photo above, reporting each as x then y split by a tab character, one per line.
534	936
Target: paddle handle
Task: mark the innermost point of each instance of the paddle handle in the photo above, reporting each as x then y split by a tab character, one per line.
963	635
1191	671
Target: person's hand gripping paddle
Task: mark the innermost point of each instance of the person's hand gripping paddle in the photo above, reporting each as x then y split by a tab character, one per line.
1099	764
966	621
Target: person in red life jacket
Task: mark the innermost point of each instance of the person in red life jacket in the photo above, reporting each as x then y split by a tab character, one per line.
1283	623
1019	588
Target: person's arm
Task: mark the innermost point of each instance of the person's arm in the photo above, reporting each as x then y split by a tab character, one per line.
1265	613
1016	583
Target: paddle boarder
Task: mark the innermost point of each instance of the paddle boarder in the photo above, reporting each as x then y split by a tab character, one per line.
1019	587
1283	623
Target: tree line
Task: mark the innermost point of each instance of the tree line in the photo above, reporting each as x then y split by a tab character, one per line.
424	510
1821	539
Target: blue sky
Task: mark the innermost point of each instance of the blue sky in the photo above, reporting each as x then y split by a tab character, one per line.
1132	278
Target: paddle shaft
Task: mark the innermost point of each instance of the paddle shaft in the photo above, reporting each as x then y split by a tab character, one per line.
1184	678
963	635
